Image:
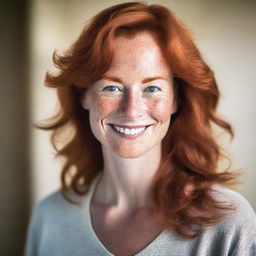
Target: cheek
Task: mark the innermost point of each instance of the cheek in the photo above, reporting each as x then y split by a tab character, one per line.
102	106
161	109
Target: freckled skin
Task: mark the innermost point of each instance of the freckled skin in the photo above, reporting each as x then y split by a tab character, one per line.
131	104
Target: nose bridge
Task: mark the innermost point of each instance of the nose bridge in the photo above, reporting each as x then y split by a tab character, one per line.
132	103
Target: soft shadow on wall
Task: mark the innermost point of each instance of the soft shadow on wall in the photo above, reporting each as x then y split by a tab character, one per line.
15	122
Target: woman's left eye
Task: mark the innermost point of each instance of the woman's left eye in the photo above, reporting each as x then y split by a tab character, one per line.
152	89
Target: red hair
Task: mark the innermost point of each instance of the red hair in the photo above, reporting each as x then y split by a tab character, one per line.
183	183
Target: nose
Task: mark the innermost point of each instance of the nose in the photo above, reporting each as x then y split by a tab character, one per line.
132	105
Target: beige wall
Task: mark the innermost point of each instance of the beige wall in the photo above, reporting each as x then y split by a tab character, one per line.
14	123
225	33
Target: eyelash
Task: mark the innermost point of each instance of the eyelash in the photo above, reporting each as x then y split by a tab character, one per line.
113	86
150	87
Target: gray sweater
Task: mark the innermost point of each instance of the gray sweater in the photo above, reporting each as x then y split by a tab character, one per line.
58	228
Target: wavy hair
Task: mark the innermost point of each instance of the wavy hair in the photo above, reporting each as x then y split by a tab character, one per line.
183	183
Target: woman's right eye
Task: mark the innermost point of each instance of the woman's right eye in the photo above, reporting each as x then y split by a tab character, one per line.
111	88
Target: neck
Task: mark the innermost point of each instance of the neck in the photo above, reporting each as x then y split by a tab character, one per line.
125	183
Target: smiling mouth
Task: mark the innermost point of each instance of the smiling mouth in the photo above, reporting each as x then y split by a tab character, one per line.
129	131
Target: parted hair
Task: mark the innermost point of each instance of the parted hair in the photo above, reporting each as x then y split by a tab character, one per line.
182	186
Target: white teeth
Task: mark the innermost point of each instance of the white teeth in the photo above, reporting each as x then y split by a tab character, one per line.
133	131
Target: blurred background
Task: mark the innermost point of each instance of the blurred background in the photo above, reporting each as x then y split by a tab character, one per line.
29	33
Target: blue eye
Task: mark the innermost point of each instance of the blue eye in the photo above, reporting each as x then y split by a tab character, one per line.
152	89
111	88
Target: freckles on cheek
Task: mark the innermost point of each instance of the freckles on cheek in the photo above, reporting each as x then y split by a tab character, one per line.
103	106
161	109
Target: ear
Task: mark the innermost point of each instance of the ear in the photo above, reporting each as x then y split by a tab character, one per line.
176	99
84	99
174	106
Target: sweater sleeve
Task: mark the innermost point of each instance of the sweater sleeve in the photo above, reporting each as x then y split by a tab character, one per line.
240	227
252	250
249	250
246	245
33	234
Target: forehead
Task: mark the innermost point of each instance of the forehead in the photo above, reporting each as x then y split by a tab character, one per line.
138	56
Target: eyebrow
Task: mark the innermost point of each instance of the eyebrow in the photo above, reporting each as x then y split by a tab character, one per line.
145	80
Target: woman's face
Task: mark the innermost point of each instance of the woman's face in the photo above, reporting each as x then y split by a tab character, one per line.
130	107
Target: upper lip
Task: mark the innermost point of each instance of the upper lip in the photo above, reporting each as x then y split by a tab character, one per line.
131	127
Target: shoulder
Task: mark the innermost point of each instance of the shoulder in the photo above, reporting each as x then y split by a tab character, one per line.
59	226
236	232
51	202
242	210
55	204
54	213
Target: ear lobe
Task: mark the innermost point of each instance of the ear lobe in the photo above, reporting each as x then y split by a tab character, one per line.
176	99
175	106
83	100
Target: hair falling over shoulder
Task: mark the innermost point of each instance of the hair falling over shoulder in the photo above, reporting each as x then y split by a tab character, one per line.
183	184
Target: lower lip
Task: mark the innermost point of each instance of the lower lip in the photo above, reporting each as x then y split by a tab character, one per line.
128	136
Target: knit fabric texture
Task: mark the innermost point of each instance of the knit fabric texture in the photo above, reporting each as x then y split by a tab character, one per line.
60	228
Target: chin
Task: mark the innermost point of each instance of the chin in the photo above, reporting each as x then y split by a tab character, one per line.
129	153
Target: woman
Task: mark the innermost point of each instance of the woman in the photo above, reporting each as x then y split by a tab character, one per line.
140	176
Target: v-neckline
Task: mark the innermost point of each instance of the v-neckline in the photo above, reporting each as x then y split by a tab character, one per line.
98	243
